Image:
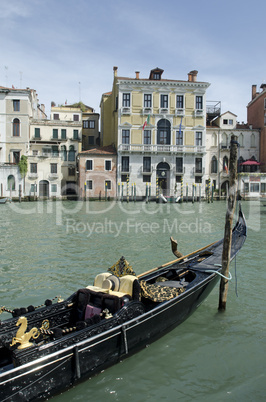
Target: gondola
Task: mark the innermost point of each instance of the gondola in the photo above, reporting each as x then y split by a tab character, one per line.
46	349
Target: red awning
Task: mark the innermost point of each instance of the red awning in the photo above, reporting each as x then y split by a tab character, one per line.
250	163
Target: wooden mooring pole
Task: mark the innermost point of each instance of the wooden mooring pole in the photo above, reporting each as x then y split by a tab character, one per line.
231	203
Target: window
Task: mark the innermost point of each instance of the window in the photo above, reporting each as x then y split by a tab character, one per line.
63	153
263	188
125	136
198	179
198	165
214	165
178	179
75	117
252	141
56	116
11	184
37	132
147	100
246	187
53	188
55	151
164	101
179	165
53	167
230	122
89	164
63	134
199	102
75	134
198	138
108	184
108	165
16	105
35	152
16	128
179	138
91	140
33	167
71	153
71	171
92	124
124	178
126	100
125	163
163	137
254	187
225	121
156	76
55	133
146	164
147	137
146	178
16	157
33	188
179	101
89	184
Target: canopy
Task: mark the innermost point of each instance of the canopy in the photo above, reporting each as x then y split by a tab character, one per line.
250	162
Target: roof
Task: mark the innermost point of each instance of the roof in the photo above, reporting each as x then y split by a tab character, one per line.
107	150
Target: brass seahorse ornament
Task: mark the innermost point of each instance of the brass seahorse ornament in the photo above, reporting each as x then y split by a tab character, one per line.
22	336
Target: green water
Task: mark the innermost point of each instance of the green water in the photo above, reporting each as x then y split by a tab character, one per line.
49	249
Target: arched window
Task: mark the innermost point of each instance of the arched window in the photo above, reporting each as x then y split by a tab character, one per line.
16	128
252	141
241	140
239	166
63	153
71	153
11	182
225	164
224	141
214	165
163	132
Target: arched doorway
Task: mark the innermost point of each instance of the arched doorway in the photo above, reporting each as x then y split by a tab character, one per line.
163	132
163	176
44	188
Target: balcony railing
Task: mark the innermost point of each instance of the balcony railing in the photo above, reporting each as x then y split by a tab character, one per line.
198	113
163	110
161	148
147	110
126	110
198	171
32	176
179	112
179	171
146	171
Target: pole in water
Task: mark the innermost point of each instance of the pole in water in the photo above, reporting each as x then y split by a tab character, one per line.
231	203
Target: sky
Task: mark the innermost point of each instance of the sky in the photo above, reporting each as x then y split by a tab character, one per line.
66	50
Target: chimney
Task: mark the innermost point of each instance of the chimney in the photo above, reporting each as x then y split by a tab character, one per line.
254	90
137	75
192	76
115	71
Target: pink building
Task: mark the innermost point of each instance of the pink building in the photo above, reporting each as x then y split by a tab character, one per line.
97	173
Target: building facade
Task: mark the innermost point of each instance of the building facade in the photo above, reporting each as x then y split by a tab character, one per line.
218	136
158	127
17	108
97	173
256	116
54	146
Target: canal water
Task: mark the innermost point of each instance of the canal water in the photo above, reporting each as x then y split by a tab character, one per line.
50	249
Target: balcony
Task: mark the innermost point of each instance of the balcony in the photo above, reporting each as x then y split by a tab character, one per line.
32	176
179	112
179	171
146	171
163	110
142	148
147	110
198	171
53	176
126	110
198	113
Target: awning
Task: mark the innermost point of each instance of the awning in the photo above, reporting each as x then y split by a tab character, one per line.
250	162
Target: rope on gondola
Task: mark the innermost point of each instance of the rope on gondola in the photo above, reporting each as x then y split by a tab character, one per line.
22	310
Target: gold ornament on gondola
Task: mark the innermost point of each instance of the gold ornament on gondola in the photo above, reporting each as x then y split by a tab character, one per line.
22	336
